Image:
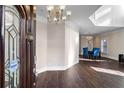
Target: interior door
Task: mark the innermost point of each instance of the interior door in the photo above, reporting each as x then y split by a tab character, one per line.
14	64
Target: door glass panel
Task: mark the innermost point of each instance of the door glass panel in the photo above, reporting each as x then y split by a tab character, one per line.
12	59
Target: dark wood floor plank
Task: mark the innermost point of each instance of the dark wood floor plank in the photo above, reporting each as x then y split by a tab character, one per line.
82	75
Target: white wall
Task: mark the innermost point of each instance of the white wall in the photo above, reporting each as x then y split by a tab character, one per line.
71	45
41	43
115	42
55	45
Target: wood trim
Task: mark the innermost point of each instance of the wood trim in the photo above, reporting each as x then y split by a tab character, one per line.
27	77
31	47
1	49
23	26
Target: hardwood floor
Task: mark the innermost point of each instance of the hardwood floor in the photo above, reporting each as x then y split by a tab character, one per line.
104	73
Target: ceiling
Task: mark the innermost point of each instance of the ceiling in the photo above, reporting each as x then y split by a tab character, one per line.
80	17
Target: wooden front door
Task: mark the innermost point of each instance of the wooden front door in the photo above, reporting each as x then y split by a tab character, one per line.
17	30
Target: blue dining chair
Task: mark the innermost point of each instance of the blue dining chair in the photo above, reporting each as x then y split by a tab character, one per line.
85	52
96	52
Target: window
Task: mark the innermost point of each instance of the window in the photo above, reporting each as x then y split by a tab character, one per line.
12	37
104	46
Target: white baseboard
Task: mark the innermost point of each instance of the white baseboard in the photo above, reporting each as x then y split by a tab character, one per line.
43	69
54	68
115	58
68	66
111	57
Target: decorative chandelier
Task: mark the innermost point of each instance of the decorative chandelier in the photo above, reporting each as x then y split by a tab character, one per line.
89	37
57	14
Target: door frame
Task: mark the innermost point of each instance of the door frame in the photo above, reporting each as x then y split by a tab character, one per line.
26	23
1	48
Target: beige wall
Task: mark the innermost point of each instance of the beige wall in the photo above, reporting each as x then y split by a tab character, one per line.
115	42
97	42
84	43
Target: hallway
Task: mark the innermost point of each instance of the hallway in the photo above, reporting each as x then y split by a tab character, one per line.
85	74
46	40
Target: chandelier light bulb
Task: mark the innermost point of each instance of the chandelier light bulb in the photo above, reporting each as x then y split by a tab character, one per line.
64	18
55	19
48	16
68	13
49	8
89	37
62	7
